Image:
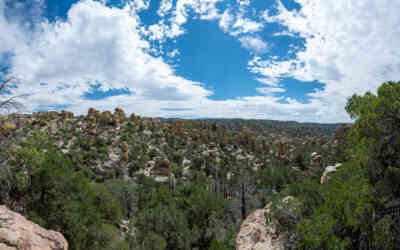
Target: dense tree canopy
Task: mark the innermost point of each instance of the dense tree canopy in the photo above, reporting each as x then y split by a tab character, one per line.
359	207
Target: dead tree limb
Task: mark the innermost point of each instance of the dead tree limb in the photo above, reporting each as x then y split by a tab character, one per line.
10	102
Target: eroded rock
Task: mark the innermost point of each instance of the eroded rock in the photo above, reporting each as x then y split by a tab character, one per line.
18	233
328	172
256	234
7	127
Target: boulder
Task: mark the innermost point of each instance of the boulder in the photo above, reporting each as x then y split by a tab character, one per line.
186	162
7	127
328	171
113	159
150	164
92	112
106	118
18	233
342	132
147	132
53	114
66	115
315	160
256	234
125	156
124	146
52	125
162	168
120	114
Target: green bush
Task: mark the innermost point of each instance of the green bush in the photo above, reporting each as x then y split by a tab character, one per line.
60	197
188	217
353	212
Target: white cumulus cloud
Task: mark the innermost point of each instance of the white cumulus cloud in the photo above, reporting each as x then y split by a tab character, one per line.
236	24
254	44
96	44
175	16
350	46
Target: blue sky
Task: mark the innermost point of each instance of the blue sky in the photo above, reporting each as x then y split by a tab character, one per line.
266	59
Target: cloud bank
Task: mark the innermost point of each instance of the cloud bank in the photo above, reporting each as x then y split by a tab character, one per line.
349	47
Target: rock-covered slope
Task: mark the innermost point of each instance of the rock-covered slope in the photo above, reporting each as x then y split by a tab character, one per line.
107	141
258	232
242	165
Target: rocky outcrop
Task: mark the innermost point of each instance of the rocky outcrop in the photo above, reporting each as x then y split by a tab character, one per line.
328	172
119	115
124	151
315	160
256	234
7	127
342	132
18	233
162	170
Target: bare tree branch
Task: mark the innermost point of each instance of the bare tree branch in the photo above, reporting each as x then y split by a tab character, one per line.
4	85
11	102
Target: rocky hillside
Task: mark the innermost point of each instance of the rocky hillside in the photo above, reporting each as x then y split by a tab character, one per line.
108	181
239	166
105	142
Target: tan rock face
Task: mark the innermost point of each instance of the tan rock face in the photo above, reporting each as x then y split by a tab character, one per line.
53	114
132	117
120	114
67	115
342	132
328	172
106	118
162	168
18	233
124	146
5	247
7	127
255	234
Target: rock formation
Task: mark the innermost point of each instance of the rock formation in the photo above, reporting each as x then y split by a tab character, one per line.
120	113
18	233
124	151
256	234
161	171
328	171
7	127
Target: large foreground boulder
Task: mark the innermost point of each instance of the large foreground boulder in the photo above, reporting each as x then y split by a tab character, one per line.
18	233
256	234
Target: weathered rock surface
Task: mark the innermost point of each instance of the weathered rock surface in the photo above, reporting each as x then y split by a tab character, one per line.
255	234
342	132
161	171
18	233
328	172
7	127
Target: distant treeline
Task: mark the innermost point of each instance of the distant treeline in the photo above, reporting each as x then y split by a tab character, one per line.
290	127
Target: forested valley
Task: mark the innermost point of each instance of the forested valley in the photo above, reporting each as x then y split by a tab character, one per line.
108	180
